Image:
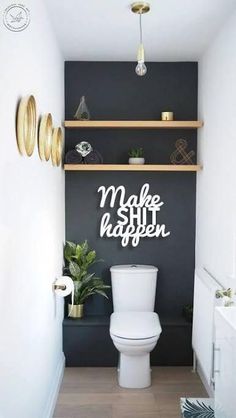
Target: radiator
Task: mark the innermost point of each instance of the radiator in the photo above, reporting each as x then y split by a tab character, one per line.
205	287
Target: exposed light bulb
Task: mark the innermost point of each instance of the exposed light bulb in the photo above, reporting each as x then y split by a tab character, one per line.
141	68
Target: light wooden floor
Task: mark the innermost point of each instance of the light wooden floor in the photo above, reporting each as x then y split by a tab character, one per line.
94	393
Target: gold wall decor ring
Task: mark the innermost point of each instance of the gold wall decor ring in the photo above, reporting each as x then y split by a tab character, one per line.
26	125
56	153
45	137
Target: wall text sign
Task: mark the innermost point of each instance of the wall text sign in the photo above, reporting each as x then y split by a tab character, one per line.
134	217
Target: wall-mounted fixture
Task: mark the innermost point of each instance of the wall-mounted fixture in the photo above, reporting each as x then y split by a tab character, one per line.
64	286
45	137
56	149
26	125
140	8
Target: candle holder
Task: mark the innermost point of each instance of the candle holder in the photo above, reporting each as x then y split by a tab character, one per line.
167	116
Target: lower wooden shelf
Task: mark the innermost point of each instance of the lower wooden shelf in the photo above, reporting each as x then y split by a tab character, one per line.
130	167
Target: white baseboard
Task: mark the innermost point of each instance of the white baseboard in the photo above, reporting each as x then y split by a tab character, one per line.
56	384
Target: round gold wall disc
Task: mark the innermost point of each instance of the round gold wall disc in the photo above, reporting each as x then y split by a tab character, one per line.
26	125
45	137
140	7
56	153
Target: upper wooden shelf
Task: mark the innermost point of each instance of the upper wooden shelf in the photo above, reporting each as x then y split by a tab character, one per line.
130	167
135	124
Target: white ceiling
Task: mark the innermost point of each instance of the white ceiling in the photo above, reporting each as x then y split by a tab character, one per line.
98	30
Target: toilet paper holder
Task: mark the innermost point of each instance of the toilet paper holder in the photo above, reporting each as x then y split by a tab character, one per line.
59	286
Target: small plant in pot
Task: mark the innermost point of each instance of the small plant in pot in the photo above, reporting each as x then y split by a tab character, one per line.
79	258
136	156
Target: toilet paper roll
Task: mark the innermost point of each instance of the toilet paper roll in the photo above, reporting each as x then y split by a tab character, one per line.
70	288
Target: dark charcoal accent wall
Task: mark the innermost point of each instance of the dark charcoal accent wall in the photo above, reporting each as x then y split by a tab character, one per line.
113	91
87	342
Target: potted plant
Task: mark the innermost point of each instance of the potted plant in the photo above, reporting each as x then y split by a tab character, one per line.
79	258
136	156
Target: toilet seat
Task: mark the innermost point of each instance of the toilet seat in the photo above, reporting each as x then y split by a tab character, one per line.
131	343
135	325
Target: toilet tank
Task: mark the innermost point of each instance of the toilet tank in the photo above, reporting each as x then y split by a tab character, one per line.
133	287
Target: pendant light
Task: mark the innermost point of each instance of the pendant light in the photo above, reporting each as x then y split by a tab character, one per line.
140	8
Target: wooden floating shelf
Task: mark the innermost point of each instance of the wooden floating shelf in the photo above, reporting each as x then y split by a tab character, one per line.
135	124
130	167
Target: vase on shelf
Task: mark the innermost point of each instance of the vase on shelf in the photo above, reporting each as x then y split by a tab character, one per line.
136	160
136	156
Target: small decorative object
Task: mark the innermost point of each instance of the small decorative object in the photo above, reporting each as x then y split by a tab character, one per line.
180	155
45	137
56	152
167	116
82	112
73	157
136	156
83	148
26	125
83	154
79	258
94	157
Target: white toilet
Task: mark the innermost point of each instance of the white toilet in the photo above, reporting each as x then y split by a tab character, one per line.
134	327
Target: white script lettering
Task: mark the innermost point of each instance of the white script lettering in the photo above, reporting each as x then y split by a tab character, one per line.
133	214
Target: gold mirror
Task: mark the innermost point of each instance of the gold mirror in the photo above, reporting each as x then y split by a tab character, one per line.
56	153
45	137
26	125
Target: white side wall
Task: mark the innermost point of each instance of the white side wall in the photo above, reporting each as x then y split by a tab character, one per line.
31	224
216	184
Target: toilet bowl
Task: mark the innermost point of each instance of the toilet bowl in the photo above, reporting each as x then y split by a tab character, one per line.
134	327
135	335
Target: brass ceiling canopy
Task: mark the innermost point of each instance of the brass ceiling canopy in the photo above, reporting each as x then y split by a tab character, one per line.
140	7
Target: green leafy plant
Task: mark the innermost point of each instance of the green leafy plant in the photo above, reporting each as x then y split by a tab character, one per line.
79	258
136	152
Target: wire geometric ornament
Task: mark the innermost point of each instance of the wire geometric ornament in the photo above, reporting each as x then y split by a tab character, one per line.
180	155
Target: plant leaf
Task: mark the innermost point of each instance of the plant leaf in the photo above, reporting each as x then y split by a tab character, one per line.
69	250
90	257
74	269
101	292
84	247
78	252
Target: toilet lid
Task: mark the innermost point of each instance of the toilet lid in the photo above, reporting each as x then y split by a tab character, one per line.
135	325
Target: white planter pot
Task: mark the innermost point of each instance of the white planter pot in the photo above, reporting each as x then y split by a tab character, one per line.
136	160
